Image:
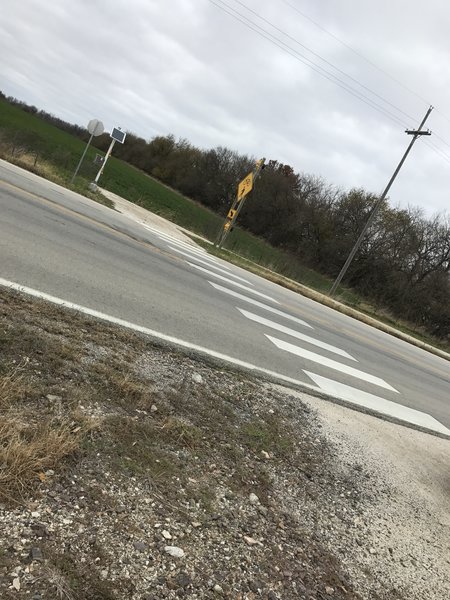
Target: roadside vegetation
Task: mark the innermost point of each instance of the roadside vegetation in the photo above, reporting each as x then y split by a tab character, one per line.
100	426
293	225
128	470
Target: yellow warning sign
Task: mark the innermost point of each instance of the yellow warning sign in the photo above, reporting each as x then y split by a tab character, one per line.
231	213
245	186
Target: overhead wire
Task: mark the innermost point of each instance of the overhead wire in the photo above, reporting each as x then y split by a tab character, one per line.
441	139
317	55
305	60
359	54
437	150
226	8
363	57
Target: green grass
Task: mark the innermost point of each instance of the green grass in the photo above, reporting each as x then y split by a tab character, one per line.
63	150
57	153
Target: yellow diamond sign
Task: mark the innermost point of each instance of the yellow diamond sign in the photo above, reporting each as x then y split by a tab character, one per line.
245	186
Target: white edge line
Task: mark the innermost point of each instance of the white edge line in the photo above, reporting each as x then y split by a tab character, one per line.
182	343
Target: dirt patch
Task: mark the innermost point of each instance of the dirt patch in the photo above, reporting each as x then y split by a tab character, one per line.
173	479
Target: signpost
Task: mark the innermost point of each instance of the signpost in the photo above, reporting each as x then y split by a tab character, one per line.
95	128
244	188
116	135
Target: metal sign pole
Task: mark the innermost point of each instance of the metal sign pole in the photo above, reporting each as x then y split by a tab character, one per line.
100	171
82	158
244	188
95	127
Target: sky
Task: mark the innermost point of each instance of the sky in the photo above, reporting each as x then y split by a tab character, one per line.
189	68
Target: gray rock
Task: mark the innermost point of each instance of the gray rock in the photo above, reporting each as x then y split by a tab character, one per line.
218	589
183	580
253	498
53	398
197	378
36	554
255	585
174	551
140	546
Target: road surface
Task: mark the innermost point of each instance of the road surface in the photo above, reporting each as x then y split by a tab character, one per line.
57	242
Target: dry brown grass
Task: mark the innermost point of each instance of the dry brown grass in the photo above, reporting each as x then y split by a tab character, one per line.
13	387
27	451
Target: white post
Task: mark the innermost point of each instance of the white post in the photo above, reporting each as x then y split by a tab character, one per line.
100	171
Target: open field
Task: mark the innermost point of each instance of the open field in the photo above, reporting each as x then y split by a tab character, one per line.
58	153
44	149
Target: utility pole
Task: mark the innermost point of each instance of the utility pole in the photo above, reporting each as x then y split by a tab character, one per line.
415	133
244	188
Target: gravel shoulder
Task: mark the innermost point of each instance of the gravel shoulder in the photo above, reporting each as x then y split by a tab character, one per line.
131	470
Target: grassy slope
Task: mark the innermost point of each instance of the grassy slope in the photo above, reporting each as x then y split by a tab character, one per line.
63	151
58	153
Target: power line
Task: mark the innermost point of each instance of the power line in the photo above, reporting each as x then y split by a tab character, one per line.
223	6
437	150
305	60
323	59
441	138
367	60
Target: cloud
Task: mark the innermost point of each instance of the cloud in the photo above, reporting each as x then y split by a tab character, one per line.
187	68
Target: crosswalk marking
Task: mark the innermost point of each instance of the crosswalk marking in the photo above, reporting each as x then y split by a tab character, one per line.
204	258
186	246
211	266
235	283
178	242
220	276
296	334
275	311
162	233
328	362
376	403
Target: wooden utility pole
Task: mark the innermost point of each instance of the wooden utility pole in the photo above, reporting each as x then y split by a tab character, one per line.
415	133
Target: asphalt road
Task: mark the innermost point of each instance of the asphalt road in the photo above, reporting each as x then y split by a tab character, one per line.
60	243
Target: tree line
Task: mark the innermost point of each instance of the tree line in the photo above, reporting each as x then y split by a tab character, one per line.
403	263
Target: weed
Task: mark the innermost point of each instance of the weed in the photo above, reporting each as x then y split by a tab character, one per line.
13	387
269	435
27	449
180	433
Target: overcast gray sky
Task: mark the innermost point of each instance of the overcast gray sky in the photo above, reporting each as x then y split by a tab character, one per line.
188	68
